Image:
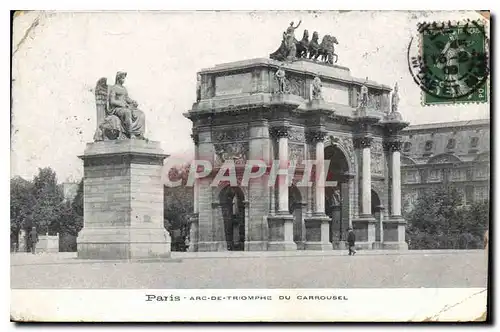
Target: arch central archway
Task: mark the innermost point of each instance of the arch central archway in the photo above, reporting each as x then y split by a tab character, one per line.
337	197
232	202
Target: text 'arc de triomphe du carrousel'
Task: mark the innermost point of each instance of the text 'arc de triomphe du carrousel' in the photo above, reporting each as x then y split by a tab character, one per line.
297	105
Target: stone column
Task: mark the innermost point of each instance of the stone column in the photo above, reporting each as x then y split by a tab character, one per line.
209	215
393	145
366	176
258	194
396	182
319	192
310	154
281	224
365	224
318	225
282	181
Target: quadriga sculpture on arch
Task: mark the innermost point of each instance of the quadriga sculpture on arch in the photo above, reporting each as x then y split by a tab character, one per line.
291	49
117	114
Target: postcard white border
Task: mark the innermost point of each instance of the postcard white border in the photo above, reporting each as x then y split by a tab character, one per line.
236	305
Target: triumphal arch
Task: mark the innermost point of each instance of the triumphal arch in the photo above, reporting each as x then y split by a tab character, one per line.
292	108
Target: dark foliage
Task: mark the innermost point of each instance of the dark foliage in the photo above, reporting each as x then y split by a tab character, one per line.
440	221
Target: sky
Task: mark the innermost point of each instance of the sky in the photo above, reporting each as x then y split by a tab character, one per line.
57	62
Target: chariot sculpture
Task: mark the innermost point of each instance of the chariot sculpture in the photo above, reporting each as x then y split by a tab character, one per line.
292	49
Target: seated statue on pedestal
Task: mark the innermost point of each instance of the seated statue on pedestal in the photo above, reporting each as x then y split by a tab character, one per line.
117	115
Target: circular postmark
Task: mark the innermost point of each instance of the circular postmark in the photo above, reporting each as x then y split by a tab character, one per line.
449	61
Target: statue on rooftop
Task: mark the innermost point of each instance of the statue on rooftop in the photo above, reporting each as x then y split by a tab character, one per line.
290	38
394	114
363	96
288	48
198	87
281	77
395	99
316	86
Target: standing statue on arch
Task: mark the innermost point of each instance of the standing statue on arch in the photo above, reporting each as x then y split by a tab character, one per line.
117	114
395	99
363	96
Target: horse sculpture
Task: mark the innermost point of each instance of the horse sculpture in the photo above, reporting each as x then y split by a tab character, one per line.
302	45
327	49
313	47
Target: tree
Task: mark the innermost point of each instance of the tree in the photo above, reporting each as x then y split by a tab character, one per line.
178	206
440	221
77	204
21	204
48	200
70	219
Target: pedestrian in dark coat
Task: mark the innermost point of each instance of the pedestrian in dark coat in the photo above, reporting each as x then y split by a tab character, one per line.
351	240
33	238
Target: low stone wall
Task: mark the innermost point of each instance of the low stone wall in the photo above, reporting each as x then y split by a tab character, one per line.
48	243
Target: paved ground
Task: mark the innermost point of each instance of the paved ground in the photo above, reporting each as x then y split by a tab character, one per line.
302	269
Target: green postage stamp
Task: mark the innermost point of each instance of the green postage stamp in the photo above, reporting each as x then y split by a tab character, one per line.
449	61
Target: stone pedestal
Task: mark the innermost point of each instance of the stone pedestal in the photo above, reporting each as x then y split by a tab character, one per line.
318	233
281	233
123	201
364	228
395	234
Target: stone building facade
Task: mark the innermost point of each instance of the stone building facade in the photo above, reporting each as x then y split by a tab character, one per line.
243	112
450	153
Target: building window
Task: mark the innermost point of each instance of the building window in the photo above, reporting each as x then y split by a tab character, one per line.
451	144
428	145
434	175
469	194
481	194
482	173
457	175
410	176
406	147
474	142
